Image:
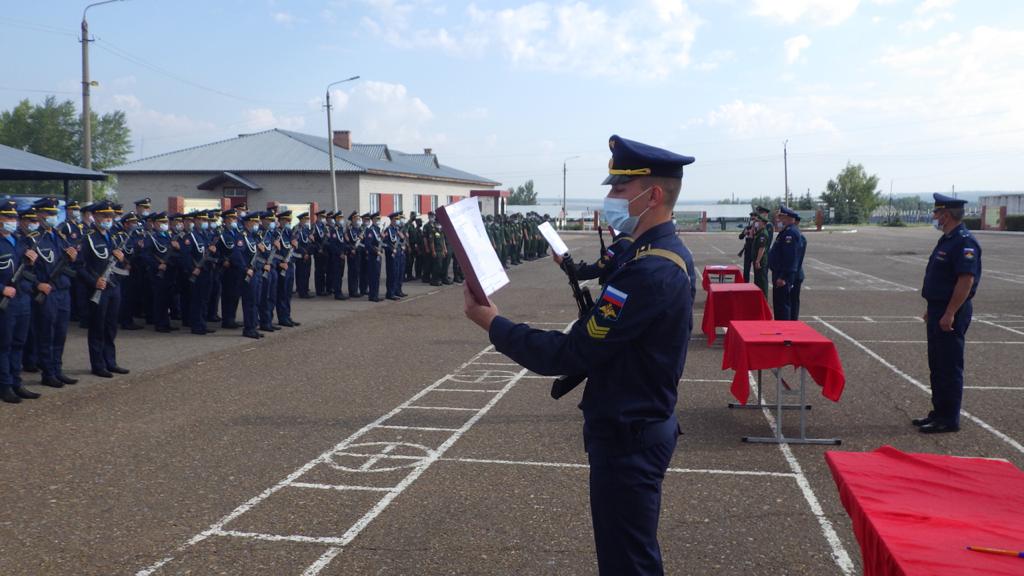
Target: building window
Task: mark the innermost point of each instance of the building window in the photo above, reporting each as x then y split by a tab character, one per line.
398	203
417	202
433	202
236	193
374	203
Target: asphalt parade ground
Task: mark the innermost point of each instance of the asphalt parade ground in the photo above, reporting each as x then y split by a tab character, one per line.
391	439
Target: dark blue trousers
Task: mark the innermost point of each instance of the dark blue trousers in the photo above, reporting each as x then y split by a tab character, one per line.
782	301
103	328
625	503
365	262
319	273
333	262
946	361
250	302
230	292
794	300
14	324
372	273
50	329
393	275
302	270
283	302
213	294
199	302
268	298
355	274
161	298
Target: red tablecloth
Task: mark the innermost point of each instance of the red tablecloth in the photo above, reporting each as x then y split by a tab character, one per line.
915	514
721	270
728	302
762	344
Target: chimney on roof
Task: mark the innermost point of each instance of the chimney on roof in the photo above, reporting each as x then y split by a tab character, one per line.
428	151
343	139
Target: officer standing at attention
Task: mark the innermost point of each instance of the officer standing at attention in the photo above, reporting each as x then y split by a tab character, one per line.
99	250
394	265
318	236
353	244
284	272
371	262
633	347
784	262
950	282
253	279
50	318
304	255
759	251
15	252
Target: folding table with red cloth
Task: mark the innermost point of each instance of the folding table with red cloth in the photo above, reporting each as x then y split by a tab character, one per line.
719	272
759	345
728	302
915	514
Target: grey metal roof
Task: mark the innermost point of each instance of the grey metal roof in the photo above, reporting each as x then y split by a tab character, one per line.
228	176
17	164
286	151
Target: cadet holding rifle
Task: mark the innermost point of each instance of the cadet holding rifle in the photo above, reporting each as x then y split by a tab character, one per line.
101	254
16	257
253	250
632	345
51	309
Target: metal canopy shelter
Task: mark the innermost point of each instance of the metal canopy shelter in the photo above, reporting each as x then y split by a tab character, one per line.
17	164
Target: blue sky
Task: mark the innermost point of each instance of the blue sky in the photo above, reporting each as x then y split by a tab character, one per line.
924	93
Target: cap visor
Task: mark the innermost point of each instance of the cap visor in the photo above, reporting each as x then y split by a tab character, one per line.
614	179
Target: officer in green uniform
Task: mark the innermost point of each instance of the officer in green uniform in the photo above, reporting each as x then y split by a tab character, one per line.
429	254
759	252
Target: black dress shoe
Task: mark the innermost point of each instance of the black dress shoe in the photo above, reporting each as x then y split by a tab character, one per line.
306	296
402	295
200	332
119	370
25	393
231	325
267	328
342	297
30	368
938	428
52	382
131	327
374	299
214	319
921	421
252	334
286	323
294	323
8	395
163	329
102	373
393	298
67	379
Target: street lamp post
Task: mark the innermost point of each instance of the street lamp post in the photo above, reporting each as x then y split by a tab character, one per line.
86	112
565	171
330	140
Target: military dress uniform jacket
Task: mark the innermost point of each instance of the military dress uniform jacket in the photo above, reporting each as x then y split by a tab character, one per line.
11	255
50	247
786	255
955	253
608	263
96	251
632	346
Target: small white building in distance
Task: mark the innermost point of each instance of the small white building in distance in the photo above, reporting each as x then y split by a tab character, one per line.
291	168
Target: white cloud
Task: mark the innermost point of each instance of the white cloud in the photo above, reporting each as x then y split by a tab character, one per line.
286	18
932	5
756	120
573	37
927	15
794	46
385	113
264	119
478	113
153	131
822	12
714	60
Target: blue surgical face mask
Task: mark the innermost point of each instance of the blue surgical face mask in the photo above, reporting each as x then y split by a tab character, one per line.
164	226
272	225
616	211
204	225
178	226
76	214
51	221
33	227
10	226
234	225
106	224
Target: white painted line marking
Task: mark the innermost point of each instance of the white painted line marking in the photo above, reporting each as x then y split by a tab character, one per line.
704	380
1013	443
340	487
574	465
323	457
857	278
477	390
969	342
1007	328
423	428
378	457
495	364
278	537
444	408
839	554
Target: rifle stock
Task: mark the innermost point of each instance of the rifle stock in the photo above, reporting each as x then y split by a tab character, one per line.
584	302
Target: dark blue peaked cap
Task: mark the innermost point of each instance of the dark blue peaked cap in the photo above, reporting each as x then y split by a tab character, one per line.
943	201
632	159
789	212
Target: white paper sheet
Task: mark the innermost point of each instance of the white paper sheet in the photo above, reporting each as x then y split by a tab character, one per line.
554	240
467	223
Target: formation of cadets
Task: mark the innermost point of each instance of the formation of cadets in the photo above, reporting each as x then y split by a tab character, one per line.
107	268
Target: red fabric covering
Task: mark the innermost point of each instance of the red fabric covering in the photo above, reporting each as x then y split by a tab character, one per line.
915	514
728	302
757	345
721	270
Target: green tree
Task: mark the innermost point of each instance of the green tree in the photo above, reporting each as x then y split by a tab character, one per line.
769	202
523	195
852	194
53	129
806	202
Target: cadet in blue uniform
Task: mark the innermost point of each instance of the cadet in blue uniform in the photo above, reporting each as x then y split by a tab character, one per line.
100	254
232	268
201	255
284	273
157	257
335	247
51	312
633	347
268	288
253	275
371	262
354	254
393	249
15	254
607	264
304	251
950	282
784	260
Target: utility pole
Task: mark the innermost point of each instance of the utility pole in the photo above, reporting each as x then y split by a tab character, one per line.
86	111
565	171
330	141
785	171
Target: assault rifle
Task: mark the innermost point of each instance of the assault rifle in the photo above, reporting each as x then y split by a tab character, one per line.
110	269
585	303
21	273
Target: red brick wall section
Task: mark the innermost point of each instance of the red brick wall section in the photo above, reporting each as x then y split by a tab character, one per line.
175	204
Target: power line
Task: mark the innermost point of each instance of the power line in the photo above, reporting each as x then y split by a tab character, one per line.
15	89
